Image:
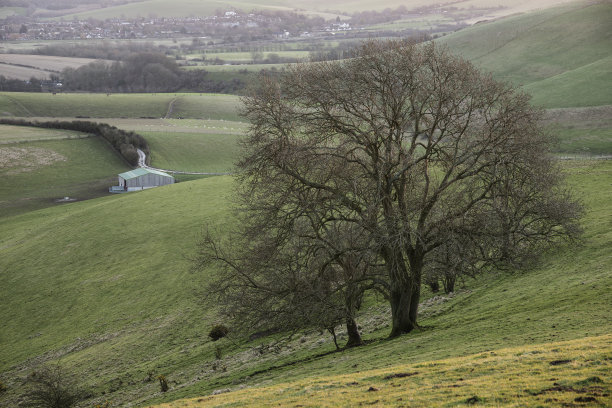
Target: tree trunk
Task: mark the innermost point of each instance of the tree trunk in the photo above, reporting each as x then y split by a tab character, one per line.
354	338
405	295
449	283
414	300
401	300
332	331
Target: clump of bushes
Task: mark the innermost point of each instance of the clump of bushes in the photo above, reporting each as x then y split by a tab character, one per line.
218	331
2	387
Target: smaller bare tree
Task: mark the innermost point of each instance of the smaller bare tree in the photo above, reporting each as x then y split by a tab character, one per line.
50	387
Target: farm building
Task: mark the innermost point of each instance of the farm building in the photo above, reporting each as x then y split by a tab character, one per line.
140	179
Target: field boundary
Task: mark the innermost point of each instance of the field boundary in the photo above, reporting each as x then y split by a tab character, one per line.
142	158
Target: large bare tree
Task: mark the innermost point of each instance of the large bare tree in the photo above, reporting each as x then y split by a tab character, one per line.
432	163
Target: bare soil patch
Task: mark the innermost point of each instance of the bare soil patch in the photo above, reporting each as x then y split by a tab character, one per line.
15	160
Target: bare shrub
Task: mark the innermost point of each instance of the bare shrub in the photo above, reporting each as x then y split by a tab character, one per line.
51	387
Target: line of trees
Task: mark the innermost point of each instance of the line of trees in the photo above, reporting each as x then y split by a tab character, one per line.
143	72
124	142
18	85
400	165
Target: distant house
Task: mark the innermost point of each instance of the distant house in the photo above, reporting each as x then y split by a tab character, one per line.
140	179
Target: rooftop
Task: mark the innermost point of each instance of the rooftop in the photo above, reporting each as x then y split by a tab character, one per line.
141	172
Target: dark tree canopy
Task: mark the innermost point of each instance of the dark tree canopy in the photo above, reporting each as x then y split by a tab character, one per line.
434	165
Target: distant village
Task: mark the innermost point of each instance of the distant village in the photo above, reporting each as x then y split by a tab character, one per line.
152	28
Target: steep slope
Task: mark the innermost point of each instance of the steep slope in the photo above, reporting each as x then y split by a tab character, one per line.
547	49
104	287
516	377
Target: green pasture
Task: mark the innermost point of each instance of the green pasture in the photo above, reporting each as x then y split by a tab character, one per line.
423	22
245	57
538	45
40	172
234	68
588	85
560	55
195	152
198	106
585	140
110	293
206	106
85	105
106	284
175	125
586	130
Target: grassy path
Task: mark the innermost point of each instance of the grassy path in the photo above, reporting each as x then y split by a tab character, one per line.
170	109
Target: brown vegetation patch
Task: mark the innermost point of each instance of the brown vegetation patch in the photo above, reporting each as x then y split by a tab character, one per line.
15	160
593	116
400	375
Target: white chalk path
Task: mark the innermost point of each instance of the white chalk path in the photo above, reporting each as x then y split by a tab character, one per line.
142	157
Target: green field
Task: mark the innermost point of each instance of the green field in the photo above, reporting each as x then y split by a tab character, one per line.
206	106
238	67
195	152
34	174
109	292
583	86
246	57
198	106
582	130
560	55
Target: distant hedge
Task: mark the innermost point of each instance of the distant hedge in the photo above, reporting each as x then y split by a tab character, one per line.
125	143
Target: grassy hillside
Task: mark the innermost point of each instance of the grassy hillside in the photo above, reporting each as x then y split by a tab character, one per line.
108	290
109	294
583	86
199	106
562	54
197	152
323	8
582	130
519	377
40	166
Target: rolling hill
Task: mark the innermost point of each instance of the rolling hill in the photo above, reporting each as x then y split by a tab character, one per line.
559	55
181	8
146	106
104	287
109	294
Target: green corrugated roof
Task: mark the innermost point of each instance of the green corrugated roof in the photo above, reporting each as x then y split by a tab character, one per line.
141	172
